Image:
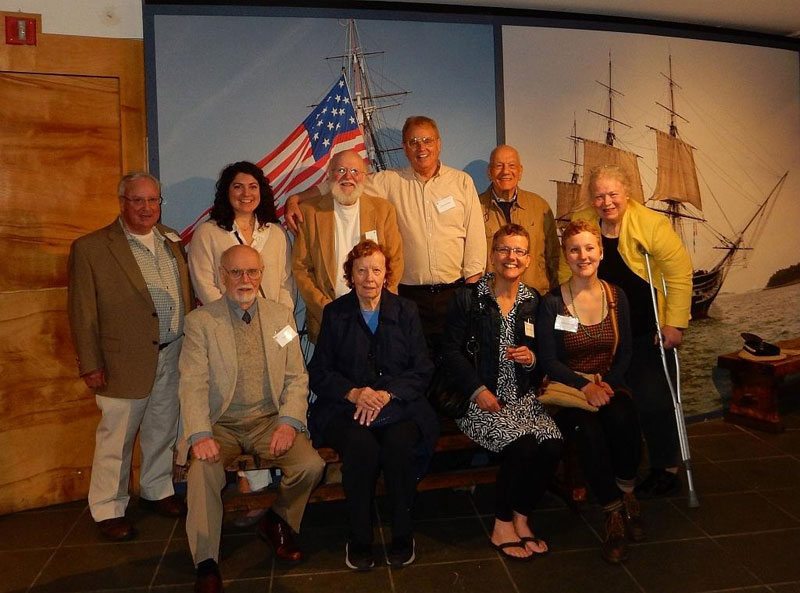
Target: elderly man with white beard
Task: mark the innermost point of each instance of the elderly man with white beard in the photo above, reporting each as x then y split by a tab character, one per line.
332	225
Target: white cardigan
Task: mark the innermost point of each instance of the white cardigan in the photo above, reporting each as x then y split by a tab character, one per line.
271	241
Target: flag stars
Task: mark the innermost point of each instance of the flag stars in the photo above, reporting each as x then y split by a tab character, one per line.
326	142
330	125
316	136
338	98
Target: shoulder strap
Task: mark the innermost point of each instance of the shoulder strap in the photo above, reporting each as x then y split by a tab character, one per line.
612	311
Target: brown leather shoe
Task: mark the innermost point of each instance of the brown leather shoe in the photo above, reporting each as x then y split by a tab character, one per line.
118	529
208	578
615	549
171	506
632	516
277	532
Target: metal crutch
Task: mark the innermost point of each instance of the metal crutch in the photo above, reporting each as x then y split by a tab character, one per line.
677	404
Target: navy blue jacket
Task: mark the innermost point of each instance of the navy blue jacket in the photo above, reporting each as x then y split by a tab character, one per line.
487	332
400	363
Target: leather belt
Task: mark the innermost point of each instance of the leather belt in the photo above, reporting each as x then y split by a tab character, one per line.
434	288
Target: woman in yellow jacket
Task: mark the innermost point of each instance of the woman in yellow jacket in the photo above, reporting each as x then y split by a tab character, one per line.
627	227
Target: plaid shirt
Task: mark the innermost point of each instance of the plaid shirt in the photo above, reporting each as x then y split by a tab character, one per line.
160	272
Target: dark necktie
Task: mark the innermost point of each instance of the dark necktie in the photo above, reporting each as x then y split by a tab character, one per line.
247	318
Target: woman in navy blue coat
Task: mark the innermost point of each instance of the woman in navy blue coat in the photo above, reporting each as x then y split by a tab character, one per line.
369	373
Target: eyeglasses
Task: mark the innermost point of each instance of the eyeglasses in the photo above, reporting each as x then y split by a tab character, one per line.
424	141
139	202
235	273
341	171
506	251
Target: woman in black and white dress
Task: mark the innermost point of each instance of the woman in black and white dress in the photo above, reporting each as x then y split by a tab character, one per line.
504	415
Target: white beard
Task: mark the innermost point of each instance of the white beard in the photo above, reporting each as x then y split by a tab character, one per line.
344	199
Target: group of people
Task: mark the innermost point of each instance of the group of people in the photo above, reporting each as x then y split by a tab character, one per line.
399	270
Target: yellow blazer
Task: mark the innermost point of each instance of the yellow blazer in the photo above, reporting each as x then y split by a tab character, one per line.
112	317
668	258
314	253
209	367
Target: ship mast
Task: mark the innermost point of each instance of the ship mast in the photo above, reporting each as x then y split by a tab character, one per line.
609	117
674	208
365	102
568	199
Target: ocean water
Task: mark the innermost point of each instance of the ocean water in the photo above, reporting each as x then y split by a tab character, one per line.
771	314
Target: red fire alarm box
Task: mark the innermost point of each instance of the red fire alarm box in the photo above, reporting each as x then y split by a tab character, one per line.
20	31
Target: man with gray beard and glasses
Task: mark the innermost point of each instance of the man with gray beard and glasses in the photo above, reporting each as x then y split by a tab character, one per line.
332	225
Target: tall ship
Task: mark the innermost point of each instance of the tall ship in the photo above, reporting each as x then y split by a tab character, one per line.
676	195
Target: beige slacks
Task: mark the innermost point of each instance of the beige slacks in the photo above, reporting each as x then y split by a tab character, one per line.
301	467
155	418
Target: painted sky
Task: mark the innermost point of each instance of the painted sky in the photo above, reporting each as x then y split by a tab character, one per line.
232	88
743	113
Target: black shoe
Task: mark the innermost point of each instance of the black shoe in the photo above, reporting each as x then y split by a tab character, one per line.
659	482
401	552
208	578
358	556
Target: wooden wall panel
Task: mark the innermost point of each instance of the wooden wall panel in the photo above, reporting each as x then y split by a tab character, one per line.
72	121
47	416
60	147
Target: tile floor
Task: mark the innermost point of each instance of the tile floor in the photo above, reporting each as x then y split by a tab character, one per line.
744	537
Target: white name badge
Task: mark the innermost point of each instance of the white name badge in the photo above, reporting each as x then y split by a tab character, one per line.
173	237
286	335
445	204
371	236
566	323
529	329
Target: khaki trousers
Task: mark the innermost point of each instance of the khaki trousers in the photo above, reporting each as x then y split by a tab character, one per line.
301	467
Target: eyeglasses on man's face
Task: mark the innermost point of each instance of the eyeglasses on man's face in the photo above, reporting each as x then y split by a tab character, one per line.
506	251
236	273
341	171
139	202
423	141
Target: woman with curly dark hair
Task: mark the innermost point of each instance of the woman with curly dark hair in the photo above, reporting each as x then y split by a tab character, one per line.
243	213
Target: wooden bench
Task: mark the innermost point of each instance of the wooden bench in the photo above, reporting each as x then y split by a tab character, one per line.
756	387
443	473
451	440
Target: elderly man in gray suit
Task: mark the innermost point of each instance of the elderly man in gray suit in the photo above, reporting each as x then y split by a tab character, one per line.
244	388
128	292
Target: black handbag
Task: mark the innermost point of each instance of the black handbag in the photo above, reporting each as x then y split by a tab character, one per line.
443	391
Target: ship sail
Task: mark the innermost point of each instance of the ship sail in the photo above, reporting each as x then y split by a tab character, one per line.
568	200
677	174
596	154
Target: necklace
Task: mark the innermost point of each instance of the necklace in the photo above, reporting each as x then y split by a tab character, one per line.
602	313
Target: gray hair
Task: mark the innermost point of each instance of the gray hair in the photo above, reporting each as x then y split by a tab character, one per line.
122	186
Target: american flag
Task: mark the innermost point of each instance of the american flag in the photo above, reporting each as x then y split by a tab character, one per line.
301	159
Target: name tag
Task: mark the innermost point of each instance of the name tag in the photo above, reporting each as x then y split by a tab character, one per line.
445	204
173	237
529	329
371	236
286	335
566	323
